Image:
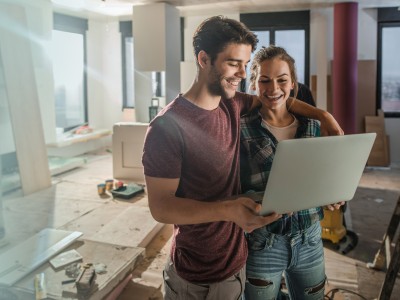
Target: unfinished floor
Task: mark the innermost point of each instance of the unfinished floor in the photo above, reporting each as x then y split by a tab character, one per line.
75	205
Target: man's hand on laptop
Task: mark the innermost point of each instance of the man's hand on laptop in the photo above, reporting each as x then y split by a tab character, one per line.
245	213
334	206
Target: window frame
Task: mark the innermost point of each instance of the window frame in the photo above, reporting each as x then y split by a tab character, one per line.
79	26
277	21
387	17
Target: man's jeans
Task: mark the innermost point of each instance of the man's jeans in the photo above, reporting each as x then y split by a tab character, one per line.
299	257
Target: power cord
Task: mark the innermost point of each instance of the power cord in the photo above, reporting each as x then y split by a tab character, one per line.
335	290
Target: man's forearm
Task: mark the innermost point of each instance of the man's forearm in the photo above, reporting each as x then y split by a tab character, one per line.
306	110
175	210
329	126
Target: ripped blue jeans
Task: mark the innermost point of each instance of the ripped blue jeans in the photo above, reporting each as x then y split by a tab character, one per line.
299	257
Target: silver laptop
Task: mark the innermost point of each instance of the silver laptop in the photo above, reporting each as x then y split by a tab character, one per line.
314	172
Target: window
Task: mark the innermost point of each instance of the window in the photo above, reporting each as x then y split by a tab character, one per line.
158	83
10	180
388	81
289	30
128	66
69	70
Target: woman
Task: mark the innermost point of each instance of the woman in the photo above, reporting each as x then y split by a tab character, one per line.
292	245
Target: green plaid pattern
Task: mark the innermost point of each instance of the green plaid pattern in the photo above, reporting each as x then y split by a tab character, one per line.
257	150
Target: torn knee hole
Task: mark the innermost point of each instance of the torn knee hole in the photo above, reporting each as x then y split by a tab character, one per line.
259	282
316	289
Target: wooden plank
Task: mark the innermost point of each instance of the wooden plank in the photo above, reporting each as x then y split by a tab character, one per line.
366	92
120	261
25	216
380	152
91	174
93	222
55	208
340	270
134	227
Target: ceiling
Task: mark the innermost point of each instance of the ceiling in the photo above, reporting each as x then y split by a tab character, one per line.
120	8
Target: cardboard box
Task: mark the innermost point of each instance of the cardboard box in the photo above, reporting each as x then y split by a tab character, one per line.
380	150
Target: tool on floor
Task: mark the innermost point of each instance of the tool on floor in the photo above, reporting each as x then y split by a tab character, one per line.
85	280
128	191
383	254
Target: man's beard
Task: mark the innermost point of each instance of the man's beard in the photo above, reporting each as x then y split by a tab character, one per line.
215	86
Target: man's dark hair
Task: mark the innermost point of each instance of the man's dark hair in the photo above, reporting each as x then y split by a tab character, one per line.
215	33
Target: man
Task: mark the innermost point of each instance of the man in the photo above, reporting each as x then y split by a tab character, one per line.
191	166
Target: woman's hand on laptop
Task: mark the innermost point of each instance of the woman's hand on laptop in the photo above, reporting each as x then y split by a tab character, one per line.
334	206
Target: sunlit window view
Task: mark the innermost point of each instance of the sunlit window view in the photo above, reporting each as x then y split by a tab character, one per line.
390	84
68	71
263	41
294	43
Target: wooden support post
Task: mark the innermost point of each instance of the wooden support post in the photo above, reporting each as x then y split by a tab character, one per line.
391	274
392	260
384	252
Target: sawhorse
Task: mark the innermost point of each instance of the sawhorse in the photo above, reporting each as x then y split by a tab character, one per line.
383	254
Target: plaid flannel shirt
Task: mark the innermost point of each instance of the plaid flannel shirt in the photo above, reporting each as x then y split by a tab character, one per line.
257	150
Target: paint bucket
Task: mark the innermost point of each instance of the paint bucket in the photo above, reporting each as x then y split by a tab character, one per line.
101	188
109	184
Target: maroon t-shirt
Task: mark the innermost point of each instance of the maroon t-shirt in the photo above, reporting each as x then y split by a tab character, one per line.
201	147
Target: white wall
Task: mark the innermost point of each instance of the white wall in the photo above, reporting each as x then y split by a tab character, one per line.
105	95
367	33
320	43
